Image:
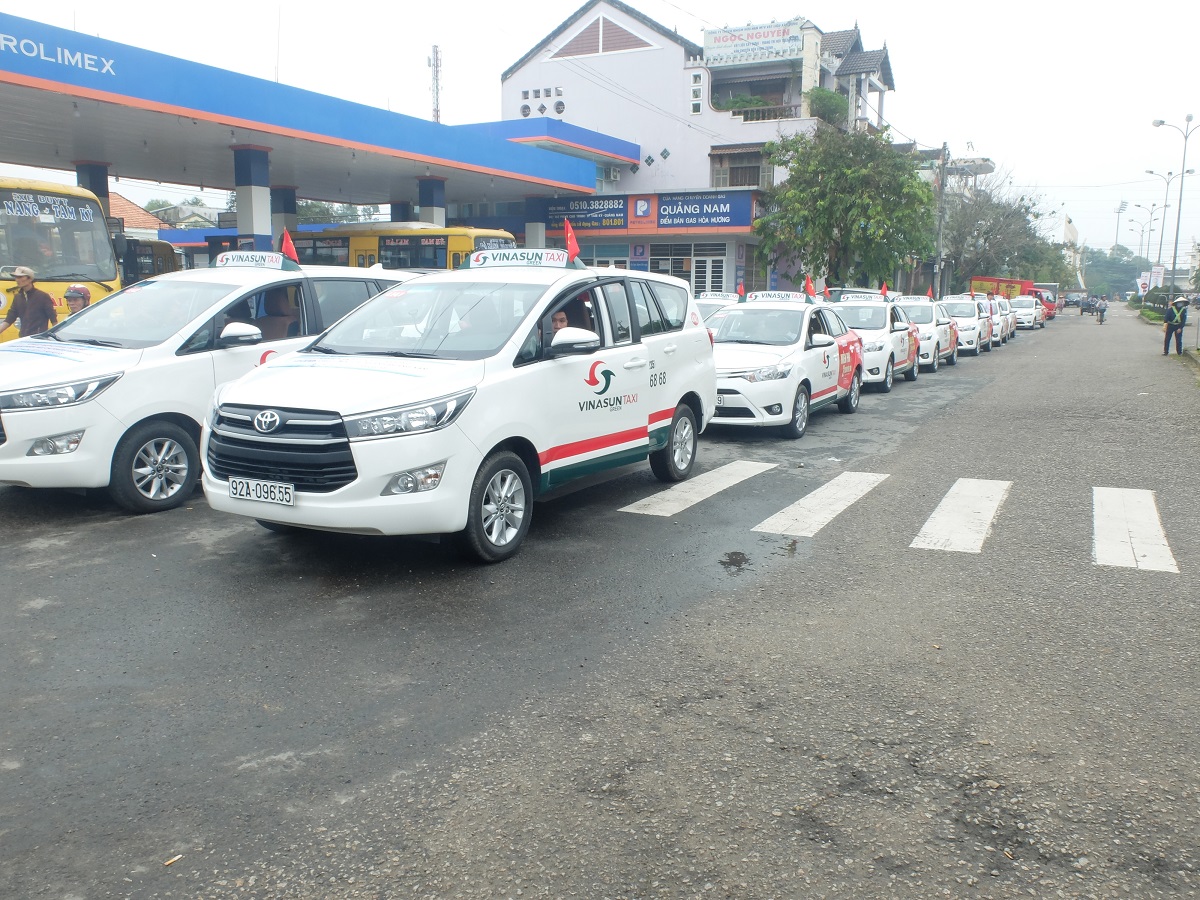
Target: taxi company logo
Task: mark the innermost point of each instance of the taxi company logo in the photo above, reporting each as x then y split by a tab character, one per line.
825	358
593	381
266	421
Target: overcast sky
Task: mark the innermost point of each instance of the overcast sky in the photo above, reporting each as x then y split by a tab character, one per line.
1060	96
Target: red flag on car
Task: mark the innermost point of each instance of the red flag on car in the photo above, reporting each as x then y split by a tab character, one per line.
287	248
883	290
826	290
572	244
808	286
931	292
741	289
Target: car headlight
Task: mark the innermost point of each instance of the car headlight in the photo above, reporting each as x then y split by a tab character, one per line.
769	373
58	394
874	346
412	419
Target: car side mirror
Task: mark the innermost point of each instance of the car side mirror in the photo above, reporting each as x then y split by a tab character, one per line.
943	321
571	341
899	326
239	334
822	340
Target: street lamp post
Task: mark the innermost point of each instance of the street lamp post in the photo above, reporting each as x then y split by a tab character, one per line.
1141	229
1152	208
1186	131
1120	209
1167	179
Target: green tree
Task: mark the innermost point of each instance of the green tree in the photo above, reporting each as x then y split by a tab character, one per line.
156	204
850	207
314	211
1113	271
828	106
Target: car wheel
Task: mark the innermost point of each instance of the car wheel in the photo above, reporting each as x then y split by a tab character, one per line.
987	348
889	375
952	359
154	468
500	508
849	403
912	372
799	422
935	360
674	462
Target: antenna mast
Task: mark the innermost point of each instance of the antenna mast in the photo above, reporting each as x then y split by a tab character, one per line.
435	63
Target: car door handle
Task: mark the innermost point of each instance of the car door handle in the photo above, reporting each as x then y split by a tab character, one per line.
670	348
636	363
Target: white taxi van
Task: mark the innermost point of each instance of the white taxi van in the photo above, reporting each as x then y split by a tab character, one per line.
445	405
114	395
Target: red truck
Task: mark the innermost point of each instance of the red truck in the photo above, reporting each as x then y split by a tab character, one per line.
1014	287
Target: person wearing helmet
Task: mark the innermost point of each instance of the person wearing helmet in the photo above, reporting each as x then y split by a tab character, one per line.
77	297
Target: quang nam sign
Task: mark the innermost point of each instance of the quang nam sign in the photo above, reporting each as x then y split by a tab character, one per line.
655	213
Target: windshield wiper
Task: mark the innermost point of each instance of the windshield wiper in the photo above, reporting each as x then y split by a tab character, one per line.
95	342
320	348
405	354
71	276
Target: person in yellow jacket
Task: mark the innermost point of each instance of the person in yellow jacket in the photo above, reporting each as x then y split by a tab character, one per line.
1175	319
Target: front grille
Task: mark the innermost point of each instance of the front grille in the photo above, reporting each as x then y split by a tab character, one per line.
309	449
734	412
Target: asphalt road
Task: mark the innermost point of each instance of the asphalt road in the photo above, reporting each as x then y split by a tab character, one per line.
641	706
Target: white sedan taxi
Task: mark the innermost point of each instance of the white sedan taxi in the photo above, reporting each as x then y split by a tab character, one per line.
114	395
939	332
973	320
445	405
780	359
1030	312
891	343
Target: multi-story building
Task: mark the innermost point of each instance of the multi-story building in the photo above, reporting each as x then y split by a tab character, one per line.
700	115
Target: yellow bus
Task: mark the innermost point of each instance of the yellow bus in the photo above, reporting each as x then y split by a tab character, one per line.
60	232
141	258
397	245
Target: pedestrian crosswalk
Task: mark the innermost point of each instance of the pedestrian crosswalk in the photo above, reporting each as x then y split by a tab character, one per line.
1126	526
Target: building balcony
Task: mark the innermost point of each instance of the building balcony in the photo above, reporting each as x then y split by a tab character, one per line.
768	113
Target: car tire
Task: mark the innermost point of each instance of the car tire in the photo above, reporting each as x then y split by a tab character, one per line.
155	468
952	359
935	360
798	424
500	508
674	462
987	348
911	373
849	403
889	376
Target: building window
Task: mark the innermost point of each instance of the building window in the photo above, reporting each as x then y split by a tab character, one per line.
524	95
558	92
696	78
695	108
537	93
734	170
696	93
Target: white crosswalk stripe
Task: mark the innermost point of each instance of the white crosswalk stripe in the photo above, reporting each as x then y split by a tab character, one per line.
816	510
688	493
963	519
1128	532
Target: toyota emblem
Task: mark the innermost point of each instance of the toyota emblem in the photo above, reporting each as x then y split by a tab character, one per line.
266	421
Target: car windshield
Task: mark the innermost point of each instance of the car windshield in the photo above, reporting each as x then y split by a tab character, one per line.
708	307
1022	302
435	319
865	318
748	325
961	309
142	315
921	313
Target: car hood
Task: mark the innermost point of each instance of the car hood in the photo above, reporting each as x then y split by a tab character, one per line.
29	363
351	384
742	357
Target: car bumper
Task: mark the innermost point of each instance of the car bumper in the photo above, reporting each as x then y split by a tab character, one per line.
88	466
875	366
746	403
360	507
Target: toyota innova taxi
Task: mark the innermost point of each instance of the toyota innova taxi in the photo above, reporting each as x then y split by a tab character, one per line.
445	405
114	396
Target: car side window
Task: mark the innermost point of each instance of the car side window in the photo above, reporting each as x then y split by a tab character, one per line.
673	302
616	302
816	325
833	324
650	320
336	297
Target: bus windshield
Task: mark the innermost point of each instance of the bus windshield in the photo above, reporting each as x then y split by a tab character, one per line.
60	236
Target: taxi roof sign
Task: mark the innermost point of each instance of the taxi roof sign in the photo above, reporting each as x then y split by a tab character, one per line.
544	258
729	296
793	296
254	259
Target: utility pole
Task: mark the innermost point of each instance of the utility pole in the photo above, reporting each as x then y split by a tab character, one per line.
941	214
435	63
1120	209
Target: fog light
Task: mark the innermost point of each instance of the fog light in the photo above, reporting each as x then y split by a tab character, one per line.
775	409
59	443
874	371
414	481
